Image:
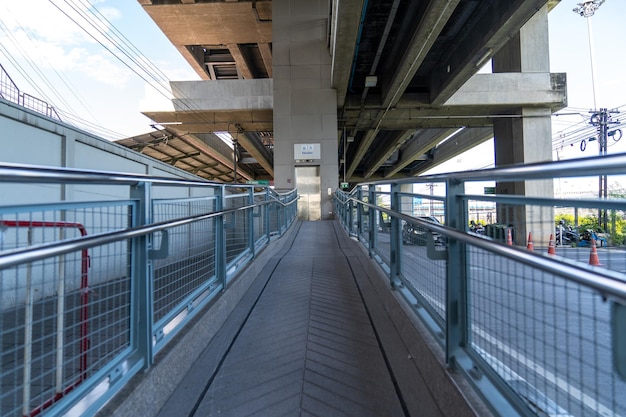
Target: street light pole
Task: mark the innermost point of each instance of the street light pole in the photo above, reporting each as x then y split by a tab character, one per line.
598	118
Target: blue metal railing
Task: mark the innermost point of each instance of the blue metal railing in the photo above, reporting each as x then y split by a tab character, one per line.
81	313
537	328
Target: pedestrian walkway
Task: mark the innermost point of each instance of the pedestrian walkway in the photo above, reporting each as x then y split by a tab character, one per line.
306	347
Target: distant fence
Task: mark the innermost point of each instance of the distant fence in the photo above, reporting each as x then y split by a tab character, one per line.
10	92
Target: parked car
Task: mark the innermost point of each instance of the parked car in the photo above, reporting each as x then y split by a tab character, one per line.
414	234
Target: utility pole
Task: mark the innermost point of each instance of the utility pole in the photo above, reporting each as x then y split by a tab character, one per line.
600	121
599	118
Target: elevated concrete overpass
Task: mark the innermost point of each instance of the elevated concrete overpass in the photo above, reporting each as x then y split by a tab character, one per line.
374	86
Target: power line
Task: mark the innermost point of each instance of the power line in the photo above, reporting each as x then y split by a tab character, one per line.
139	62
35	42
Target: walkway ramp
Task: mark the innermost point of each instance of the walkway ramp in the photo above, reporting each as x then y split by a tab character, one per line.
306	346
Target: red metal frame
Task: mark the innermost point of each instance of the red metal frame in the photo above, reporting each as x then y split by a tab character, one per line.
84	296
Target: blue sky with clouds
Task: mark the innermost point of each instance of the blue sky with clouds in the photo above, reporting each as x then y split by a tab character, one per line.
48	55
51	57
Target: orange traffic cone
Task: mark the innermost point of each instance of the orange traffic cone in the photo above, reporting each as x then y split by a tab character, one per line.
530	245
551	247
509	239
593	256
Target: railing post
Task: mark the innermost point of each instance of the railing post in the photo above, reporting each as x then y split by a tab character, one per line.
142	294
371	220
359	212
395	255
220	241
294	209
251	242
281	214
348	208
456	288
267	213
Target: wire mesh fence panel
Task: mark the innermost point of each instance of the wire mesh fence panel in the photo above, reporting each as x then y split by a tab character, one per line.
8	89
237	227
189	265
354	226
259	224
51	343
64	317
381	238
382	226
275	218
423	272
547	337
190	260
364	234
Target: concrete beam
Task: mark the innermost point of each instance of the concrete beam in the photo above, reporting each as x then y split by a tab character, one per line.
202	147
364	144
418	146
343	44
215	121
472	49
212	23
482	99
427	30
513	89
456	145
235	95
256	149
266	54
243	69
381	155
195	59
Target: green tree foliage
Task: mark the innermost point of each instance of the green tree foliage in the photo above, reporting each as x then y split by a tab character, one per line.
567	219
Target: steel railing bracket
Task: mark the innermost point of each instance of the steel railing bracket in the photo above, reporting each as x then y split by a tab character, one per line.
431	249
163	251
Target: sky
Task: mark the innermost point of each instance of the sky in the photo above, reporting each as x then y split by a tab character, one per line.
48	55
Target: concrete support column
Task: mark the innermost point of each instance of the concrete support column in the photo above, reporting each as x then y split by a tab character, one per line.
526	137
305	105
406	203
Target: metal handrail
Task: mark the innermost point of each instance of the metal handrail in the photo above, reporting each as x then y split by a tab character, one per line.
19	173
607	282
608	165
280	202
47	250
38	252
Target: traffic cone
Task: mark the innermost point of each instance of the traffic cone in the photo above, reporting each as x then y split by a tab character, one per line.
551	247
530	245
509	239
593	256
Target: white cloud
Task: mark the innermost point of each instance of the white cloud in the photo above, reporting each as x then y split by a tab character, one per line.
101	69
47	38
